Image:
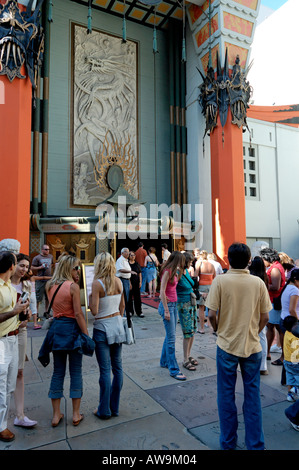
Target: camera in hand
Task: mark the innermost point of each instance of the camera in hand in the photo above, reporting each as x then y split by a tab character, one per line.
24	315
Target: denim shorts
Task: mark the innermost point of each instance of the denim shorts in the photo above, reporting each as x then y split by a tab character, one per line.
274	316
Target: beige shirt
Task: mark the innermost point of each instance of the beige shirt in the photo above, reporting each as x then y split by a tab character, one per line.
240	299
8	299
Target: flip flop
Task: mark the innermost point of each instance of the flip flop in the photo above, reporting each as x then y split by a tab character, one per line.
75	423
179	376
193	361
54	425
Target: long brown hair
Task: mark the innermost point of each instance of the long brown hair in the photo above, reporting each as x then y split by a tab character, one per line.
175	261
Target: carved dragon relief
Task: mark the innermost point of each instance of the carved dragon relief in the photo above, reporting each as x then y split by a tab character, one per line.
105	114
21	40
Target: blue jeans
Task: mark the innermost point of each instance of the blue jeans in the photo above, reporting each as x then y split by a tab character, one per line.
168	358
226	382
108	357
75	368
292	413
126	286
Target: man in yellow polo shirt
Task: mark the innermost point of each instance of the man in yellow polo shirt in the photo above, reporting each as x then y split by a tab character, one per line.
238	306
9	311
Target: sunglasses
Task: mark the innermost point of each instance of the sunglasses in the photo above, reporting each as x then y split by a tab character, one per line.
77	268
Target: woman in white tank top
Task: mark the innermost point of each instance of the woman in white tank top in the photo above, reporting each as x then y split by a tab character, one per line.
107	306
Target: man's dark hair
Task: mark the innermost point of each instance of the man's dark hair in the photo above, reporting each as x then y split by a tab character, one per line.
7	259
239	255
270	255
164	245
140	244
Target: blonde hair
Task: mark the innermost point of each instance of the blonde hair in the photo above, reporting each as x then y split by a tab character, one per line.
203	254
63	270
104	269
212	256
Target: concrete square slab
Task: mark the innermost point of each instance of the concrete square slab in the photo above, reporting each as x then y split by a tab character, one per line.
38	407
278	433
148	374
194	403
134	404
157	432
60	445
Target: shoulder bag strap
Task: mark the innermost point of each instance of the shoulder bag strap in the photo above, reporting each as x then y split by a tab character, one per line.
52	300
188	281
152	260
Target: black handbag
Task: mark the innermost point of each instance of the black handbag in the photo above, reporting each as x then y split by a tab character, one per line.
277	303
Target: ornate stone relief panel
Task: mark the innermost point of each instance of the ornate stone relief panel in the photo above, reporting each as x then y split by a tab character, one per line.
104	124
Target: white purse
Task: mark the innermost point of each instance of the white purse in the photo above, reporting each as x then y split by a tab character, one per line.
129	330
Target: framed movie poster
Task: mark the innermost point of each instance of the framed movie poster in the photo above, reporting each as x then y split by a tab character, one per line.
88	273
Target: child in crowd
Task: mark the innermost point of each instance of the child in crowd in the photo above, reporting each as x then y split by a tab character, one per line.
291	357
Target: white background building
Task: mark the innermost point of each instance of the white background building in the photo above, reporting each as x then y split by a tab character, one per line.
271	156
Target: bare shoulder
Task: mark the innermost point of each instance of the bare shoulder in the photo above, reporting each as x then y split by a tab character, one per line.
118	285
74	287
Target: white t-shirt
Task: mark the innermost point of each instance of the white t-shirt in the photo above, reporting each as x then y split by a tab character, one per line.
285	300
217	266
123	263
166	255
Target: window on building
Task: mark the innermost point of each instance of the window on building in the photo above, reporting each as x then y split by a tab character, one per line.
250	163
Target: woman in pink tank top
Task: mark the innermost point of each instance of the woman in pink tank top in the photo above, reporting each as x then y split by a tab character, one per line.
171	272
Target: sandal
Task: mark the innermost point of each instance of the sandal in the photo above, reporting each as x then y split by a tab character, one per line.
55	424
179	376
278	362
193	361
188	365
78	421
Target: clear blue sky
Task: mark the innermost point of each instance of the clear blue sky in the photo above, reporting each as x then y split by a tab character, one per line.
274	4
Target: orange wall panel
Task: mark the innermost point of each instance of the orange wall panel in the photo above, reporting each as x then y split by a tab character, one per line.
15	162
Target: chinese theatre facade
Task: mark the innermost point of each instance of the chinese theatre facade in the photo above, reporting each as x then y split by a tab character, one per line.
134	101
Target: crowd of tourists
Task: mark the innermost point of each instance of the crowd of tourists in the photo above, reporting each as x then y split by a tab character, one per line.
252	308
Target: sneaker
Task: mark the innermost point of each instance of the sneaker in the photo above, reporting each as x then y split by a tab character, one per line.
294	390
275	349
295	426
25	422
290	397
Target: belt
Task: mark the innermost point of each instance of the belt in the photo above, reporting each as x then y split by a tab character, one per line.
12	333
110	316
